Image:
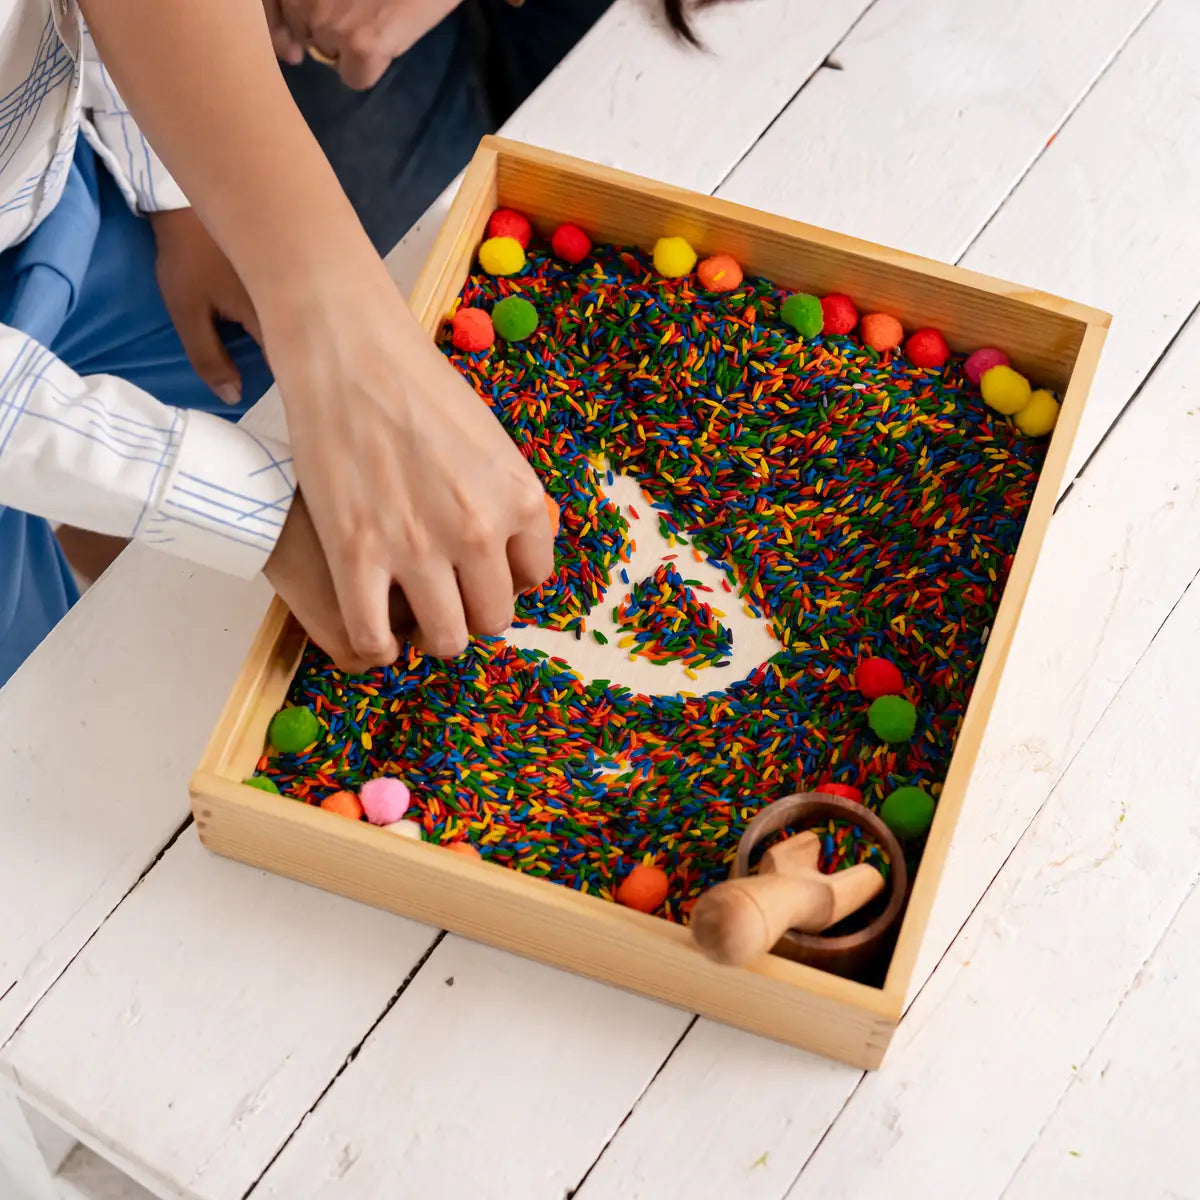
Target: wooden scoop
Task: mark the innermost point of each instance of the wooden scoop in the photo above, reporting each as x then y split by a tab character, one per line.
786	907
741	919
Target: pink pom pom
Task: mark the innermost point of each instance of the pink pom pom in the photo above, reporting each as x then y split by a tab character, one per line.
384	800
982	361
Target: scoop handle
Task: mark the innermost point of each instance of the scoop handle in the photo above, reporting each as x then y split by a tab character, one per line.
740	920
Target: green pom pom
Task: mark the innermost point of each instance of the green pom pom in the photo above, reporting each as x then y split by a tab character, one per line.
908	812
803	313
262	783
893	718
292	729
514	318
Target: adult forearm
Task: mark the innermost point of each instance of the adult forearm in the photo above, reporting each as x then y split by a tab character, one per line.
203	83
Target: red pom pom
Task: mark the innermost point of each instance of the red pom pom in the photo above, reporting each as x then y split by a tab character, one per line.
571	243
927	348
505	222
840	314
844	790
471	329
876	677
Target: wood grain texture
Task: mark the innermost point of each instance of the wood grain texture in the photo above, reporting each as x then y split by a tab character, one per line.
1118	554
199	1089
541	920
1104	587
1107	213
463	1014
1130	1105
1093	880
152	649
1120	551
633	96
1043	330
938	108
81	827
549	923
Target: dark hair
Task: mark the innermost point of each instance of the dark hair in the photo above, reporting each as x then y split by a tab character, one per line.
677	17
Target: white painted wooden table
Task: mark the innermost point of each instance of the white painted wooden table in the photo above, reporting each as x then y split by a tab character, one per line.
212	1033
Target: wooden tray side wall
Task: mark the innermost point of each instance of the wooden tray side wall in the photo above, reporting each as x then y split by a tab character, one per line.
543	921
1044	332
1059	343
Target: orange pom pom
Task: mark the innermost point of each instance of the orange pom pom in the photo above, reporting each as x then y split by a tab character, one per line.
552	513
345	804
465	849
881	331
720	273
644	888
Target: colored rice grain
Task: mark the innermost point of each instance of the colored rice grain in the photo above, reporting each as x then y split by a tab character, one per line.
665	621
863	506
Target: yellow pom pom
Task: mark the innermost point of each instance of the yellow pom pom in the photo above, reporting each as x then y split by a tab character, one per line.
501	256
1039	416
1005	390
673	257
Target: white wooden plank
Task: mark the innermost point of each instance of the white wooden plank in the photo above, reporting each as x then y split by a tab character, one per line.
101	729
152	650
165	1031
86	1176
1107	214
491	1078
1118	555
988	1047
729	1116
1126	1122
939	107
727	1158
656	171
635	97
167	639
1121	550
24	1172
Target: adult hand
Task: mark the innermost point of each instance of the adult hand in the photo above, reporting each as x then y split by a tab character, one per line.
409	478
358	37
200	287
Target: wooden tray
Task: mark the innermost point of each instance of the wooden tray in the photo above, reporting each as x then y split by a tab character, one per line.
1055	342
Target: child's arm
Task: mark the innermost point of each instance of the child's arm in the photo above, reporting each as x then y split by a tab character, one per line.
407	475
102	454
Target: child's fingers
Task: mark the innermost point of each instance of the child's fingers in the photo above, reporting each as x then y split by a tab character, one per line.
209	358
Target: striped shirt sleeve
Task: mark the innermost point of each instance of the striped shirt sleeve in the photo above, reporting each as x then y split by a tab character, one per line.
102	454
146	182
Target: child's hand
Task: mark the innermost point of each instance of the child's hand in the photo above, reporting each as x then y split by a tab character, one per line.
298	572
199	288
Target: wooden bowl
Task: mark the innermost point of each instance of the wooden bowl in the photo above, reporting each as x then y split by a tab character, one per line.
842	954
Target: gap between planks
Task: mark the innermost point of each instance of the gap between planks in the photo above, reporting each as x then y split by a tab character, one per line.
1187	905
810	76
1159	358
434	943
